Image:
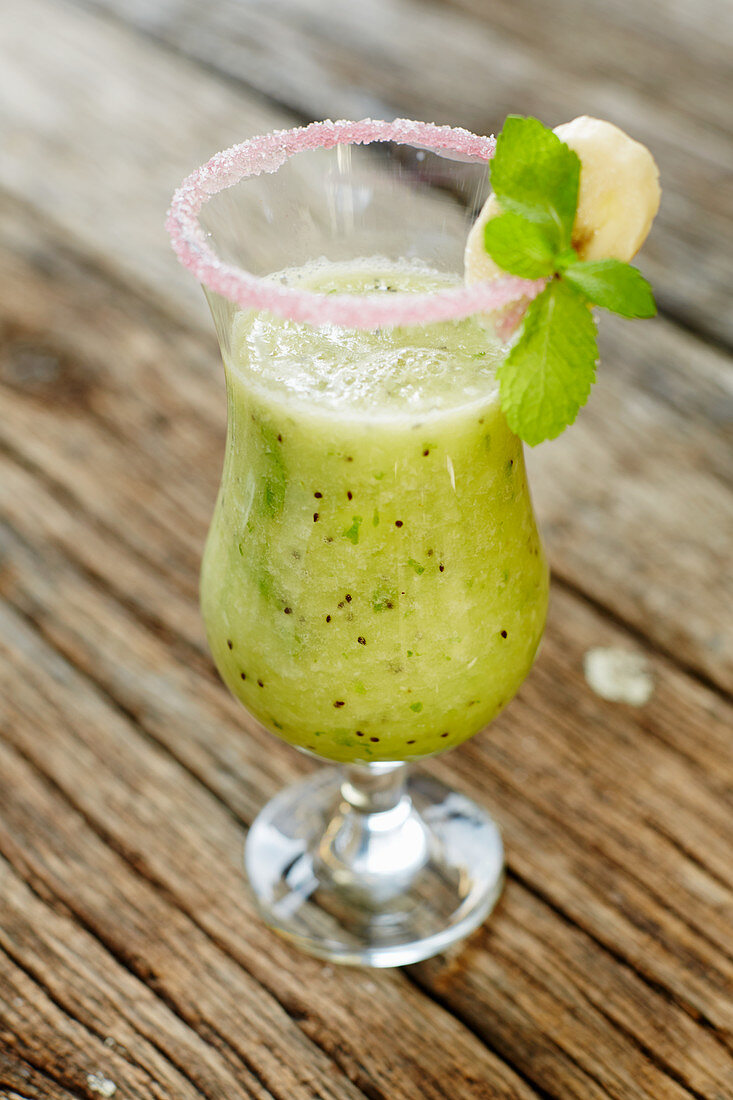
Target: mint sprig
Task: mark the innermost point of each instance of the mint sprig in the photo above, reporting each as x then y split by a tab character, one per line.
547	375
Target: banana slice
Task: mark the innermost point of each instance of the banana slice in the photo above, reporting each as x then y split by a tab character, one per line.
619	189
618	197
479	266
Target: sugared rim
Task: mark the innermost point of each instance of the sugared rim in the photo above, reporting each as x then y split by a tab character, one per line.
267	153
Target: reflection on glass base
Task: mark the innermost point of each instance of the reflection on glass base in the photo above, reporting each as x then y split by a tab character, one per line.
382	888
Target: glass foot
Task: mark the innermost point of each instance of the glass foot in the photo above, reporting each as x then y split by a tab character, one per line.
358	866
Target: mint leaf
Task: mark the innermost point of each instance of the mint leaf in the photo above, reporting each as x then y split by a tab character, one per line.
548	373
535	175
613	285
519	246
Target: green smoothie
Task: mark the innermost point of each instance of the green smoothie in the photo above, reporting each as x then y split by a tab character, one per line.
373	586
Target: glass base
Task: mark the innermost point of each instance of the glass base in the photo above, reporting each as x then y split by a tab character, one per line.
355	869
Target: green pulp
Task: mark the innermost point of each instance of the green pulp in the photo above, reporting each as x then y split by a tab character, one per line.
373	586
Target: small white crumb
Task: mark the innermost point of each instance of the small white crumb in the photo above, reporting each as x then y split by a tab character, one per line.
102	1085
619	675
109	1041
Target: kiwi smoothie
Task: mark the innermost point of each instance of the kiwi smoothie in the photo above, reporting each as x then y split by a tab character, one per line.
373	586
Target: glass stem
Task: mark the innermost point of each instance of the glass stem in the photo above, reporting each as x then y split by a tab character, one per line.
373	788
375	843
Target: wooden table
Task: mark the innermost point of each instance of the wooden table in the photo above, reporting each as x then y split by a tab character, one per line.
131	961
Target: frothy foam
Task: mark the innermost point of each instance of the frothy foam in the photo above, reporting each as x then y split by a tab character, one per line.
377	371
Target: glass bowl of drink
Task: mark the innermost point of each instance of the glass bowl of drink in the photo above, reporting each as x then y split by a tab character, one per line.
374	588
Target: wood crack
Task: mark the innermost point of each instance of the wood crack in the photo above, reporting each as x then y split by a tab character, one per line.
47	1075
413	975
62	1005
175	1063
688	854
656	1060
238	1057
619	957
687	324
138	972
642	883
22	1068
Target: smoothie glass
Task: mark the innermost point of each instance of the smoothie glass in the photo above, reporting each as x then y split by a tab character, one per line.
374	588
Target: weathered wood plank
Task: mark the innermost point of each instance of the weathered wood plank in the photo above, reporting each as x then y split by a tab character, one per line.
548	846
136	899
43	1030
195	720
576	806
649	68
656	49
21	1081
607	972
635	499
213	1032
99	127
491	986
116	157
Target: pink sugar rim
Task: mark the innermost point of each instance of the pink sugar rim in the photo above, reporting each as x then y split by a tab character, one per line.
267	153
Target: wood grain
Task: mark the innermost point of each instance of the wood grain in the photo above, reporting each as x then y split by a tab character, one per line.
618	842
120	1001
21	1081
129	947
100	127
129	791
322	58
